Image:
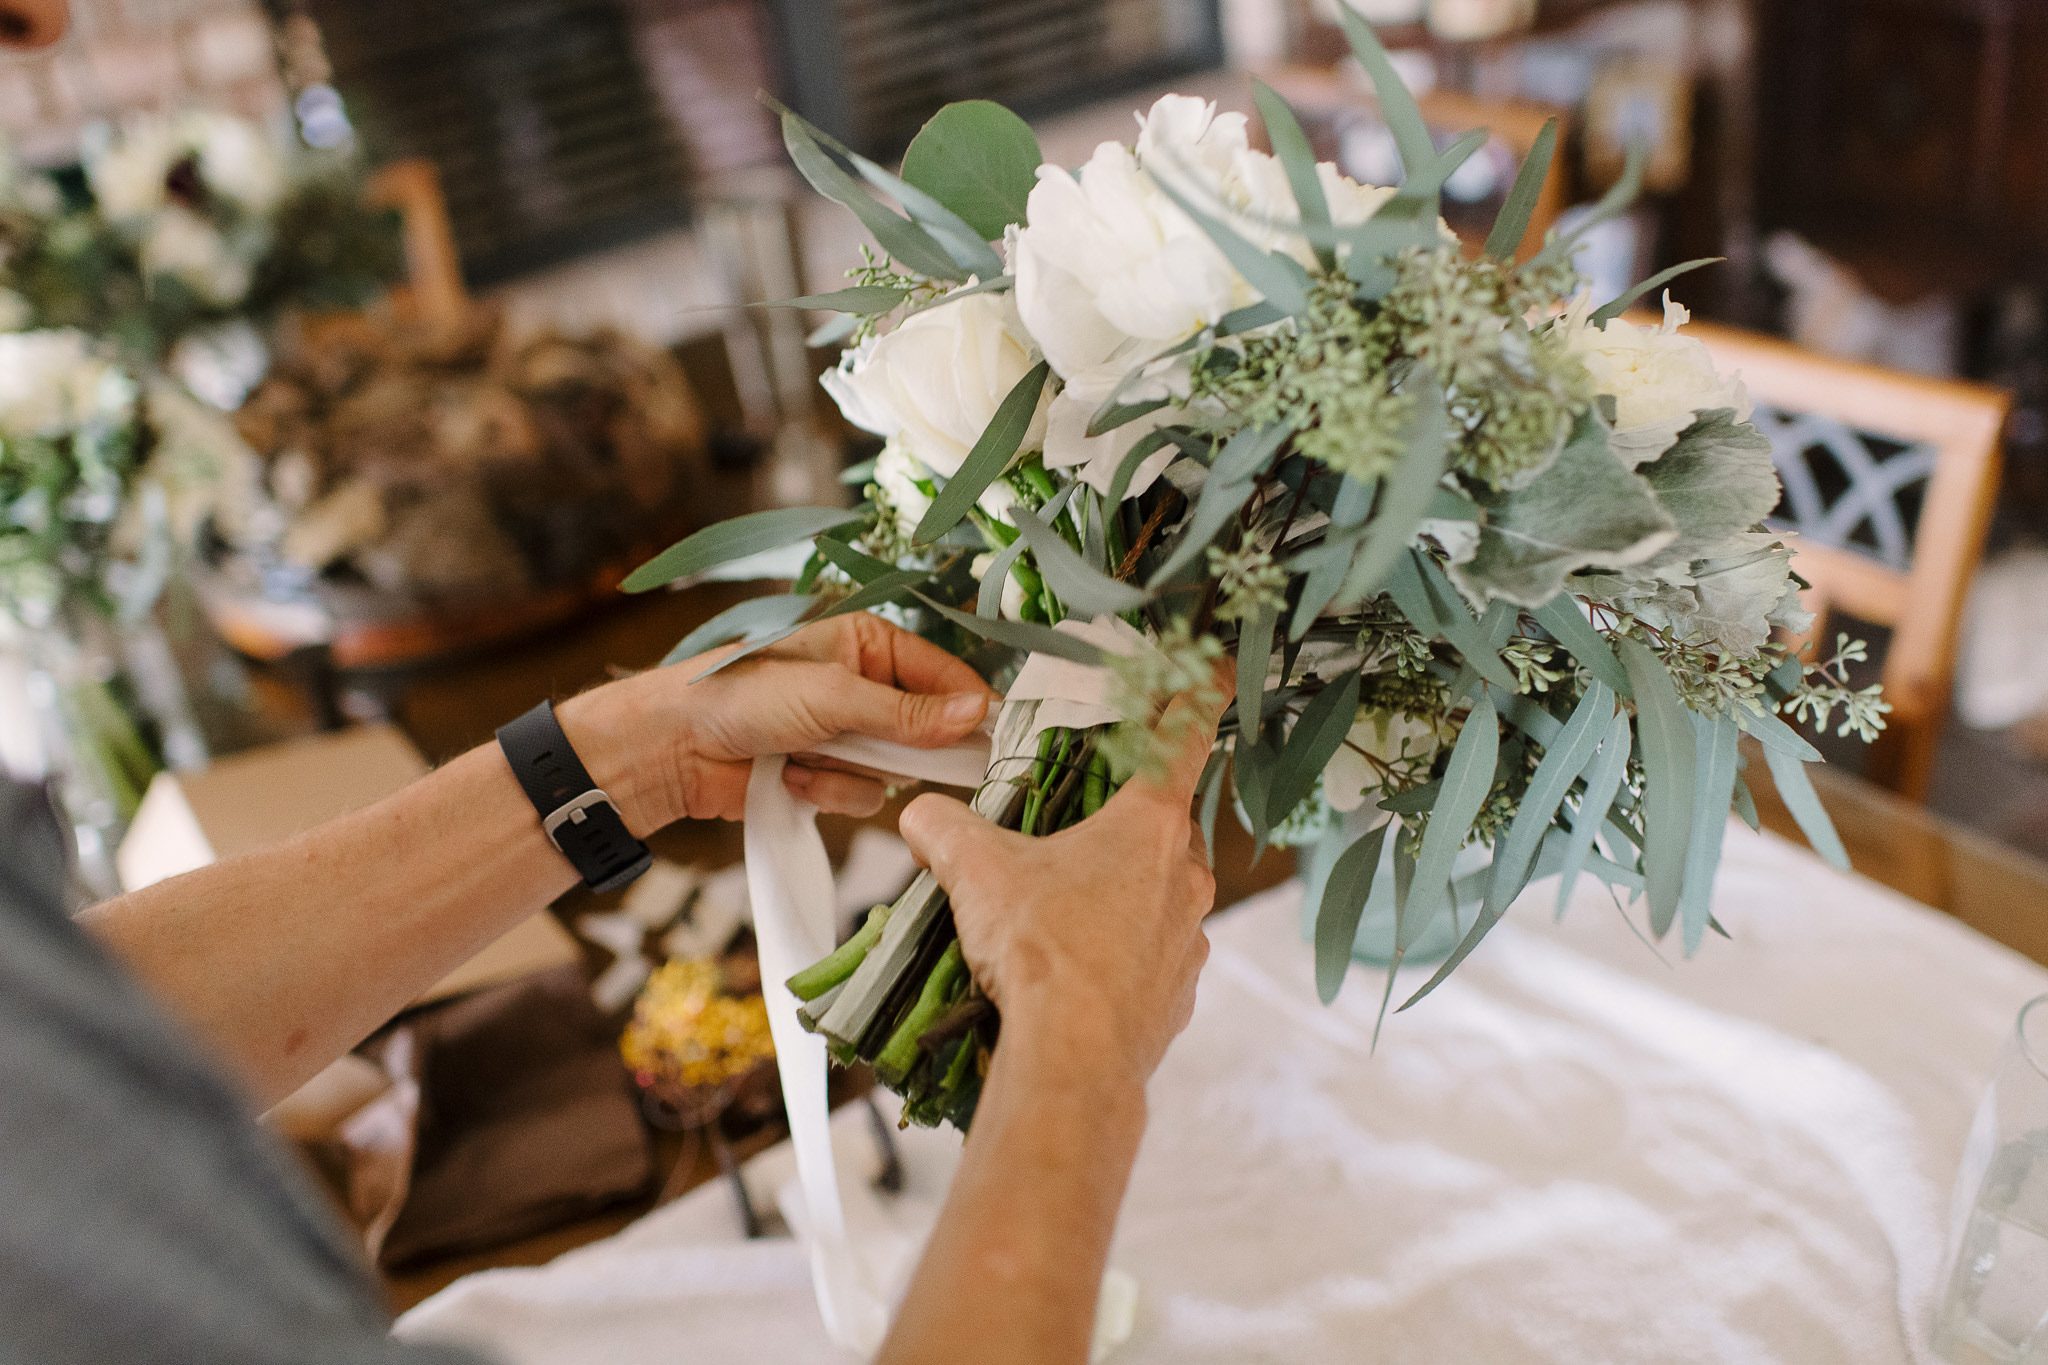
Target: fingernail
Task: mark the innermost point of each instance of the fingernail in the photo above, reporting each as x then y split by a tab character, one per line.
964	707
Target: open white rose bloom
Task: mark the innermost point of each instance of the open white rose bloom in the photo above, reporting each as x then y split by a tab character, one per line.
1492	562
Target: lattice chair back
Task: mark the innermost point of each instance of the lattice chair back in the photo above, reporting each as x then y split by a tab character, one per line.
1889	483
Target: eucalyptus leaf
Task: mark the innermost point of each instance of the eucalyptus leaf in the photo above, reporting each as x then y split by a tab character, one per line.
1614	308
862	299
1457	625
1253	761
1212	799
833	329
1795	789
1603	782
1569	627
1398	108
1243	457
755	615
1344	896
1513	223
1025	635
1327	566
1745	804
990	456
860	568
1618	199
1249	318
1297	158
1407	494
906	242
1669	776
995	286
1111	415
1588	509
1316	736
890	587
1254	661
979	160
1713	789
988	603
734	539
1077	583
1514	857
1279	279
1775	734
1467	779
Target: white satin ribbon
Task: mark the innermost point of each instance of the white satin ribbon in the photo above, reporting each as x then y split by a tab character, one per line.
789	880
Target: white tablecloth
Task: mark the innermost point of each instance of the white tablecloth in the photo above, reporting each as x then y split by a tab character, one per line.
1573	1151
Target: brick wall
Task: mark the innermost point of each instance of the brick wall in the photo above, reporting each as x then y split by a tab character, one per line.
123	56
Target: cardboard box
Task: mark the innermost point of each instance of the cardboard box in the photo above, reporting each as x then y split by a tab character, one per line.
258	799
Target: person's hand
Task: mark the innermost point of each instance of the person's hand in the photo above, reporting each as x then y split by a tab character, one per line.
679	749
1094	933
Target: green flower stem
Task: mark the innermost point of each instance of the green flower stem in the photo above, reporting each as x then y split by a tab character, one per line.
901	1054
1095	788
828	971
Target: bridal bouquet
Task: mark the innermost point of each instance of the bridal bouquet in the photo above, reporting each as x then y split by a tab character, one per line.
1490	559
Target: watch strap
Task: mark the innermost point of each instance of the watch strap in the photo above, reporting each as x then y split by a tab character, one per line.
576	814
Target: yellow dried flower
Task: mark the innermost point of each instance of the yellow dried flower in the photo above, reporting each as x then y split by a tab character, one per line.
687	1031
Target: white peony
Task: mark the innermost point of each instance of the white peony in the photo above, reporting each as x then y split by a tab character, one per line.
1110	272
53	382
1657	378
1385	735
191	250
935	381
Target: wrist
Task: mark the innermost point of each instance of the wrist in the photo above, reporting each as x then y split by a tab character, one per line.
613	736
1072	1035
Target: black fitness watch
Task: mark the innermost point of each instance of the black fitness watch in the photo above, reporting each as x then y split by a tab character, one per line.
576	815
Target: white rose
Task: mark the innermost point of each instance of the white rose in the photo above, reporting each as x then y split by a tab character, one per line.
1657	378
1385	735
127	169
936	380
53	382
896	476
236	160
186	247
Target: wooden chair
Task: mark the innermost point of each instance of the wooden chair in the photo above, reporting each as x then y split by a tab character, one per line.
1895	438
433	290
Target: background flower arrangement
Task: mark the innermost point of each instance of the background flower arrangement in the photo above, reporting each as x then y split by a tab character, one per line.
184	223
1491	560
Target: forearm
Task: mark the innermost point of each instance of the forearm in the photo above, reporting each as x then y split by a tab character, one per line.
1015	1264
285	959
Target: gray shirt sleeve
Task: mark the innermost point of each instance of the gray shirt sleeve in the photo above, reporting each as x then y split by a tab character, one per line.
144	1215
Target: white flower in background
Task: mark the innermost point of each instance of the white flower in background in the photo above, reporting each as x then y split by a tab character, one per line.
186	247
236	160
1110	272
14	311
1385	735
129	169
935	381
1657	378
53	382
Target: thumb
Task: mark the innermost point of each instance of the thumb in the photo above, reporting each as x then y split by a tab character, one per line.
919	719
945	835
1189	728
